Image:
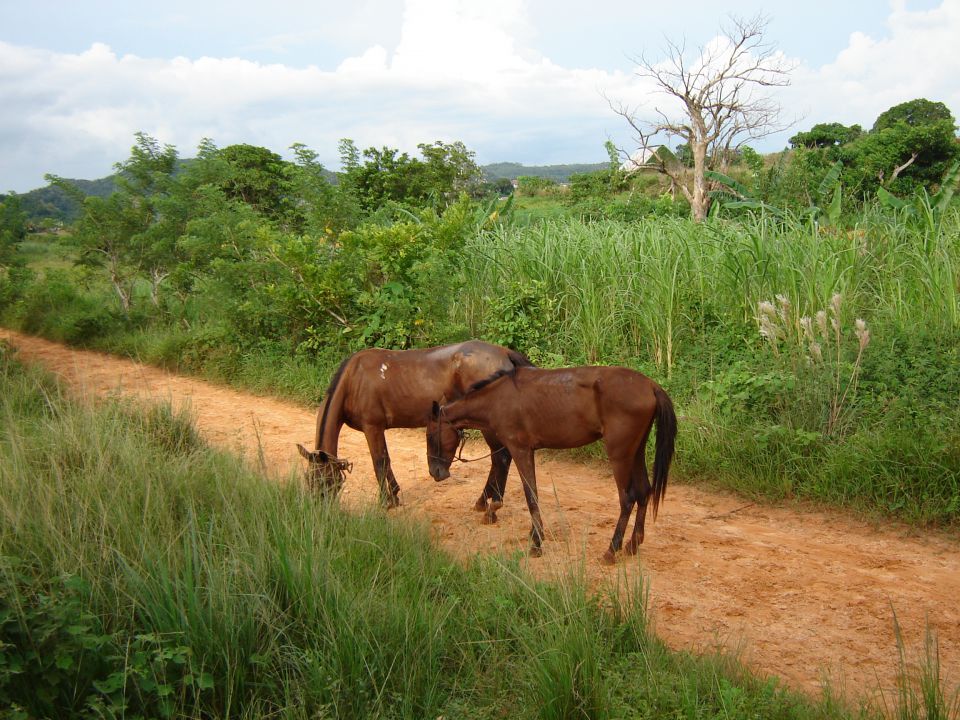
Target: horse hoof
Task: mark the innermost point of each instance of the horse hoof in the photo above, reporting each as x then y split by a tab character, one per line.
480	505
489	518
536	551
608	558
631	548
393	503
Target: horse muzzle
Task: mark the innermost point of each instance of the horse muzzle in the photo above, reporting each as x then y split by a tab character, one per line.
439	472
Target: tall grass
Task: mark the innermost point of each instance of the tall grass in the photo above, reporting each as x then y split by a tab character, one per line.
144	575
631	286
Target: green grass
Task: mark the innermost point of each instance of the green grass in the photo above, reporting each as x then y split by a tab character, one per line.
44	252
142	574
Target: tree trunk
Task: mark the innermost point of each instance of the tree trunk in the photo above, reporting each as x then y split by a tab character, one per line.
699	201
121	287
123	293
157	276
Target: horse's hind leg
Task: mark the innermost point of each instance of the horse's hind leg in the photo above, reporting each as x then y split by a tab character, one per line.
389	489
640	488
491	499
622	471
528	476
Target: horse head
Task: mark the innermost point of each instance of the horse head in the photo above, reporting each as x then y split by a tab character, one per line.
325	473
443	439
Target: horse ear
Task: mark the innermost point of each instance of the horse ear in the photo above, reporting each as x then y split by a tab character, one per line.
306	454
321	456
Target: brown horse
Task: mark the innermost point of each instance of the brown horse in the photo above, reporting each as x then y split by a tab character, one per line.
378	389
531	408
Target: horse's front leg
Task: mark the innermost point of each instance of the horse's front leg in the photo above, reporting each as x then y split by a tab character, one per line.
491	499
389	489
528	475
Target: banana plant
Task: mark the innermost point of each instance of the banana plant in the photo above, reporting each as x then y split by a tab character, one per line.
829	193
731	186
923	205
831	187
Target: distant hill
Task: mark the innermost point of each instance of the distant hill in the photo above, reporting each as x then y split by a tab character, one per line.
52	202
557	173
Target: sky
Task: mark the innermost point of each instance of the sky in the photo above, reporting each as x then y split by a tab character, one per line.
527	81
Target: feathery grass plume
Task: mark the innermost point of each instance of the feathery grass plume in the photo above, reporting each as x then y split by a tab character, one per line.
821	320
862	333
835	303
784	309
806	324
769	329
816	353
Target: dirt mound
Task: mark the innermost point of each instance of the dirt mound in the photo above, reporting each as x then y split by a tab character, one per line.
805	595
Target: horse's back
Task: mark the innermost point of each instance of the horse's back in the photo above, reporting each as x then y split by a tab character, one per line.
590	389
395	388
625	388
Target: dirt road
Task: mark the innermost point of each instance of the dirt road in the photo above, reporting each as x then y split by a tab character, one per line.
806	595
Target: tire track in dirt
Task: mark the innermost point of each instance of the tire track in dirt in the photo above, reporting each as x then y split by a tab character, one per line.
804	595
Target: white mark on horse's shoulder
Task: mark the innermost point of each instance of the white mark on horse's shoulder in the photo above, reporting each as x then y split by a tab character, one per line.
383	369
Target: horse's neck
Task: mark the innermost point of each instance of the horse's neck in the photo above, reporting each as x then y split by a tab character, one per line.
468	410
329	424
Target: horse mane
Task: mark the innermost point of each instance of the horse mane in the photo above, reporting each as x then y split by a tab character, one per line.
486	381
331	388
519	359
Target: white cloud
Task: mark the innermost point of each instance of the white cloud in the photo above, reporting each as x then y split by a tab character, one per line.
372	64
457	73
916	59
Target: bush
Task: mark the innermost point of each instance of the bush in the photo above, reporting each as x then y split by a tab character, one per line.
54	306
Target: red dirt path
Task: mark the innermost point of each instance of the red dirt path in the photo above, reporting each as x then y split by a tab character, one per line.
805	594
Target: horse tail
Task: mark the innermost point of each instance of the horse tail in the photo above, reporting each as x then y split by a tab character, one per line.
666	420
328	400
519	359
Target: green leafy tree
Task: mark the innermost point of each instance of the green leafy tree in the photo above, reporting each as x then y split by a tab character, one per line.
685	155
911	145
131	232
385	175
322	208
450	170
914	113
260	178
826	135
535	185
13	227
110	233
147	177
501	186
380	176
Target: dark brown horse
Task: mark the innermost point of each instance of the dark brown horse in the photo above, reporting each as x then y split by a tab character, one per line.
531	408
378	389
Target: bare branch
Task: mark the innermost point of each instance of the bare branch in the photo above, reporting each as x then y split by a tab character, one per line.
901	168
723	95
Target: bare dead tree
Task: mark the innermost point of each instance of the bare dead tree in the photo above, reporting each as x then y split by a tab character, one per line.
724	97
